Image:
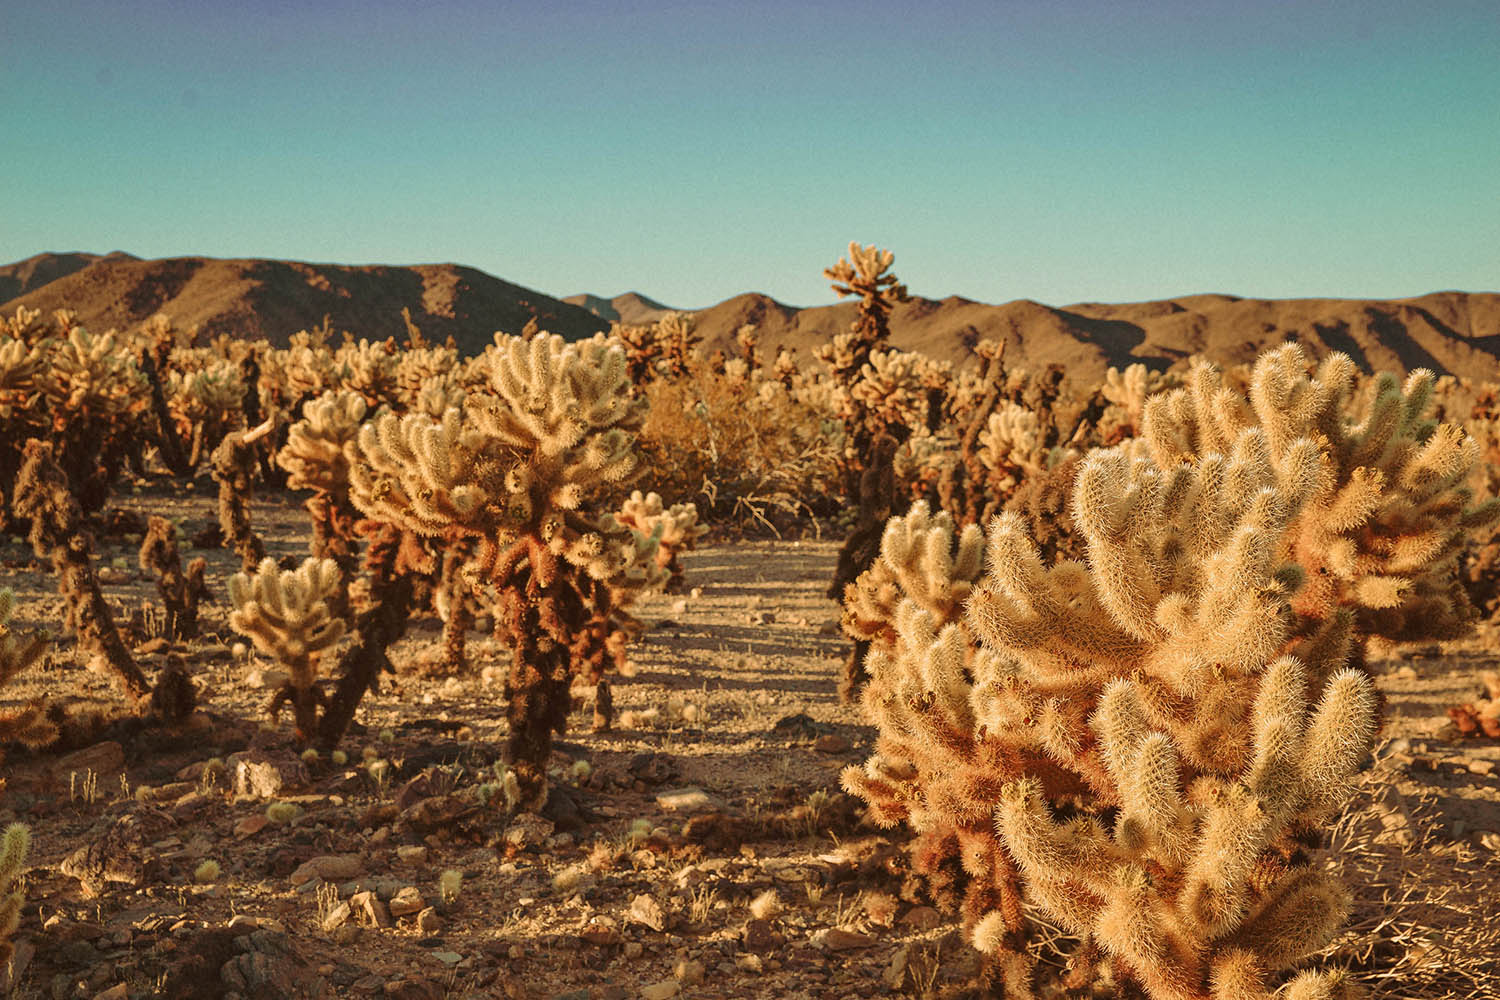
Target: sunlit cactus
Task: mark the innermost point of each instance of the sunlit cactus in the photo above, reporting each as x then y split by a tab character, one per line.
287	615
1392	503
679	529
1162	683
514	474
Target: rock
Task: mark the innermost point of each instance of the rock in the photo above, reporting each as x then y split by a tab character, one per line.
190	804
268	967
106	760
412	855
119	854
261	776
799	728
750	963
644	909
832	743
759	938
1481	767
839	939
690	799
528	830
652	768
428	921
115	992
437	812
921	918
250	826
153	646
633	949
448	957
267	677
601	931
664	990
407	901
329	868
689	972
370	909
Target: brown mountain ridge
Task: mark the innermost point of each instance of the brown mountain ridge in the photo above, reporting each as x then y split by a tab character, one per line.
276	298
1450	332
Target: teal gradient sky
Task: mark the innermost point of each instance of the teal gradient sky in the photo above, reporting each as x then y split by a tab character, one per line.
1062	151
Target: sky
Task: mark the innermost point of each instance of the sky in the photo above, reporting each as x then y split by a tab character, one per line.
1057	150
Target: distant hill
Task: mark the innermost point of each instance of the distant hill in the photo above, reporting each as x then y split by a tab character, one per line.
275	298
632	307
24	275
1450	332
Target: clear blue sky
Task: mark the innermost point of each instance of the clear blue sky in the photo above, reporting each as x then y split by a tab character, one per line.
1061	150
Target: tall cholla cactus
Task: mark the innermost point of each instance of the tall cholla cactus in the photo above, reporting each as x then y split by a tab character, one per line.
14	845
1160	689
1392	503
515	472
287	615
28	725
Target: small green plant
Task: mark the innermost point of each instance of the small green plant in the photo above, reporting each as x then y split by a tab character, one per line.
450	884
206	873
282	813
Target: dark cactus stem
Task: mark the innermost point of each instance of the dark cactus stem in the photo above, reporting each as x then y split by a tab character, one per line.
57	533
150	362
234	470
394	559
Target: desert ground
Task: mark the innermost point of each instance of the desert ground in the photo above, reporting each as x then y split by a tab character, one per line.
717	786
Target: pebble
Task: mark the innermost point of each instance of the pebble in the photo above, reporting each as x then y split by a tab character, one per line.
329	868
336	917
428	921
644	909
690	799
664	990
407	901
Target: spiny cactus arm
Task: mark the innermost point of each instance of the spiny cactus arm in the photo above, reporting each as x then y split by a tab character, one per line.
314	451
14	846
433	477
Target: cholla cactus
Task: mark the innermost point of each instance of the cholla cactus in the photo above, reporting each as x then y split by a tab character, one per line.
514	473
372	370
676	529
1126	392
29	724
234	464
180	590
58	534
657	350
287	615
205	404
1392	505
1162	684
14	845
314	456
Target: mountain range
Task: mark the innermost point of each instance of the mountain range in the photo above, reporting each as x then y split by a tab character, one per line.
1450	332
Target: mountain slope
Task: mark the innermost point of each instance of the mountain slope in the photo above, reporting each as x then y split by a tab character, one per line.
274	299
632	307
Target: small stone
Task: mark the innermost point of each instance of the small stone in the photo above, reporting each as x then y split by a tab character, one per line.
644	909
1481	767
370	909
839	939
407	901
633	949
759	938
428	921
750	963
242	922
412	854
448	957
262	776
689	972
152	646
190	804
688	799
329	868
250	826
267	677
105	759
528	830
664	990
921	918
832	743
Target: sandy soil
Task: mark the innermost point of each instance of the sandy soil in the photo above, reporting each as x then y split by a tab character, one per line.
720	783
